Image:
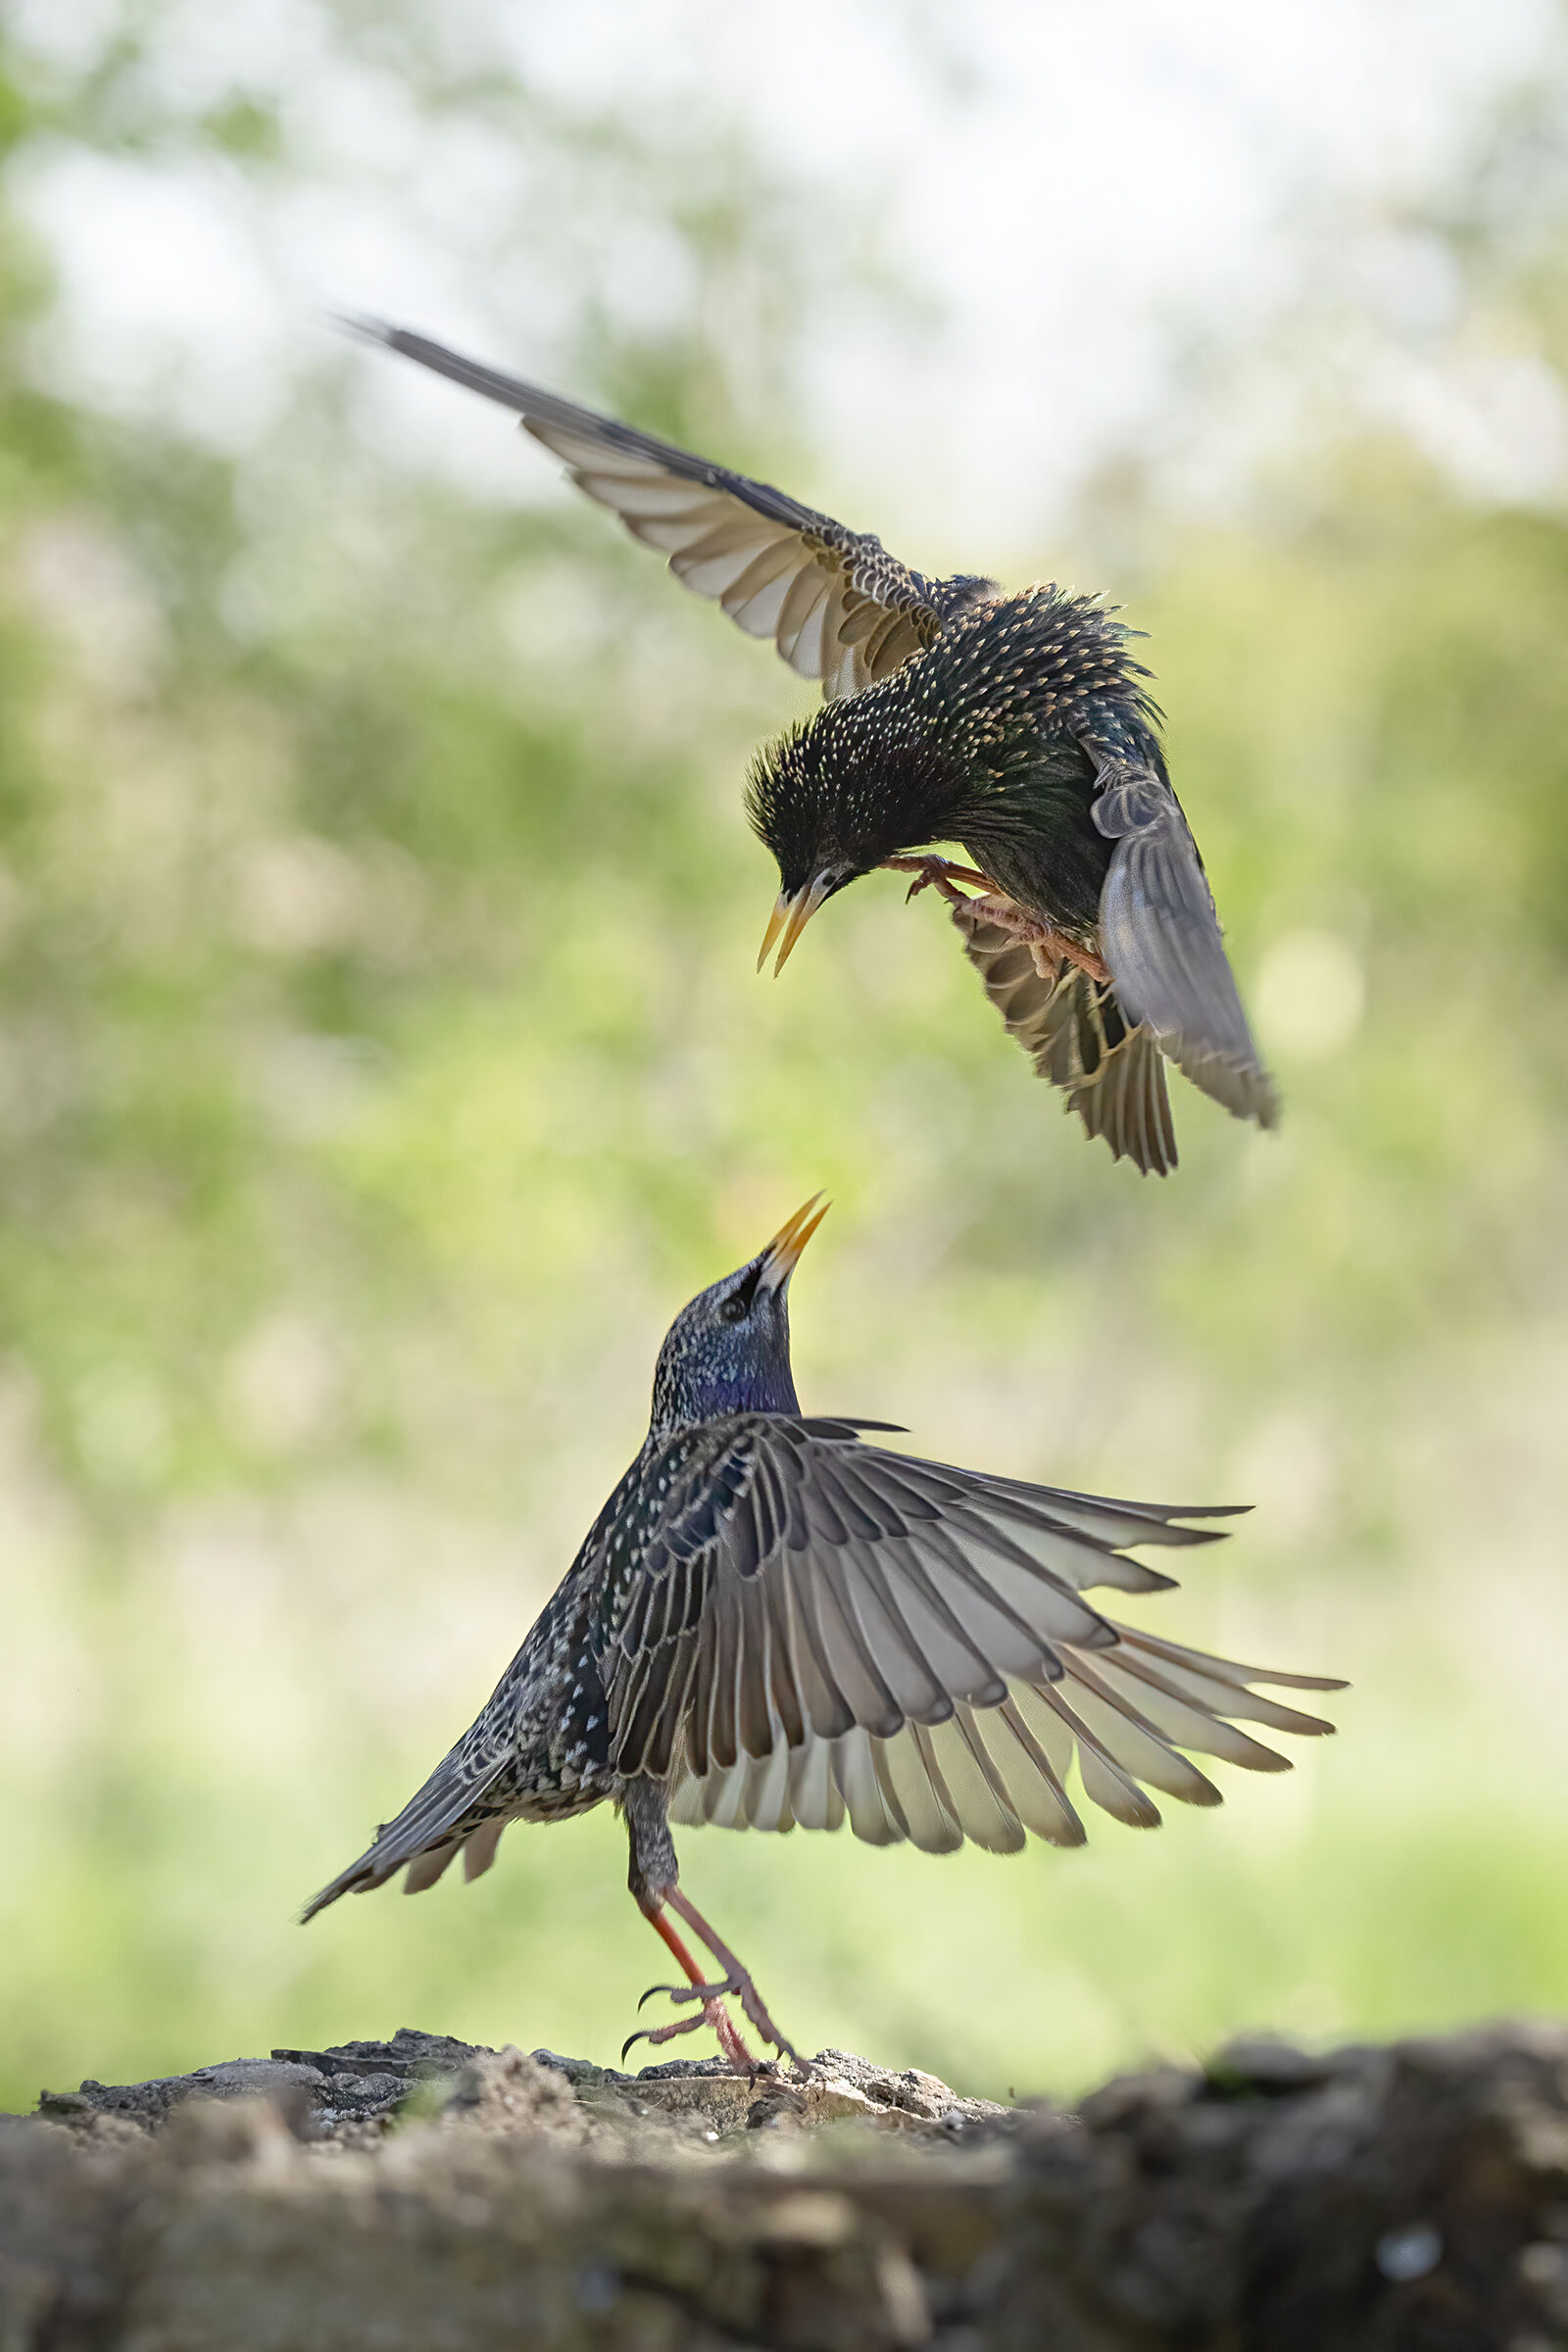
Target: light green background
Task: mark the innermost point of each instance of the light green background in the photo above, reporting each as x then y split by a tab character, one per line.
382	1065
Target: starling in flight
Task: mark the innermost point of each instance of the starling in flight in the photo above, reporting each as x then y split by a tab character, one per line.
775	1621
1017	726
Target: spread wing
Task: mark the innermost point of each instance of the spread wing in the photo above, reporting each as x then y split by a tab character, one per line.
835	603
826	1630
1075	1033
1160	937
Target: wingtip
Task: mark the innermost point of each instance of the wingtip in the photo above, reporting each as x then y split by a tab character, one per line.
349	1884
363	327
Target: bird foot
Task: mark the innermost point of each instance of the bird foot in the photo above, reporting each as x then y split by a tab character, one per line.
738	1986
935	873
717	2018
1049	949
736	1981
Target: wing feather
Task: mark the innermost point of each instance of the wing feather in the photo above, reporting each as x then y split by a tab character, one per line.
1041	1801
976	1789
910	1678
814	1799
910	1641
717	527
865	1687
914	1797
855	1769
1160	936
827	1710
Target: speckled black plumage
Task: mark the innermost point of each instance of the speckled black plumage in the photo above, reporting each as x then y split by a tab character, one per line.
990	737
775	1622
1025	732
1016	726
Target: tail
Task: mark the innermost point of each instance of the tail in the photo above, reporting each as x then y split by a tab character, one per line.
457	1808
1075	1033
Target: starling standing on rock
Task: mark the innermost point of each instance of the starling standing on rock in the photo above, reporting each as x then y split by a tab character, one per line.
1015	725
774	1621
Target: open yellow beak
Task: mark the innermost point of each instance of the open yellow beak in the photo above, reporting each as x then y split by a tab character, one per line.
783	1252
791	914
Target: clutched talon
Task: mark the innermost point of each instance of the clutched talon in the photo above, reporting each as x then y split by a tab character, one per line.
738	2057
1051	951
737	1983
932	875
754	2010
739	1986
736	1987
758	2016
935	873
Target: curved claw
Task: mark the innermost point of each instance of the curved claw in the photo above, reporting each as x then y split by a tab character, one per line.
932	871
939	874
676	1992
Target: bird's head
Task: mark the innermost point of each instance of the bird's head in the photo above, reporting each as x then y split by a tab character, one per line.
728	1352
861	781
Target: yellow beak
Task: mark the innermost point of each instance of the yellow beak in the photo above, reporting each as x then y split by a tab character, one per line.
783	1252
791	914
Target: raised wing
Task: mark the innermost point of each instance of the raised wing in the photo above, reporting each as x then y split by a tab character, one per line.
1075	1033
1160	937
825	1631
835	603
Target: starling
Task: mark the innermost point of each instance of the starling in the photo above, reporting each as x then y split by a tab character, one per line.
1017	726
775	1621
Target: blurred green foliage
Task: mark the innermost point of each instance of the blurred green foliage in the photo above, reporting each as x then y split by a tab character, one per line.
382	1065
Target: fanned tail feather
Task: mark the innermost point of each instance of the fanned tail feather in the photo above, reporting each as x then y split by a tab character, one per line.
448	1815
1074	1030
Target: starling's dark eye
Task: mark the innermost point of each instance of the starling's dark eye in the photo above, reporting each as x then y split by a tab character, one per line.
734	1309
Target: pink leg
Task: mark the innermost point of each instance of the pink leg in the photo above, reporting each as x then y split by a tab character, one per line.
939	874
711	2012
1049	949
737	1980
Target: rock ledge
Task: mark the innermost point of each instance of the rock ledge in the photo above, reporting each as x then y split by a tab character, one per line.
421	2195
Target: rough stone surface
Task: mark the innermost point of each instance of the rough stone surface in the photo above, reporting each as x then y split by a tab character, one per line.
425	2194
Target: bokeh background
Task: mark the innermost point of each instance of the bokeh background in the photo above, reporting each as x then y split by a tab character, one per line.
381	1062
